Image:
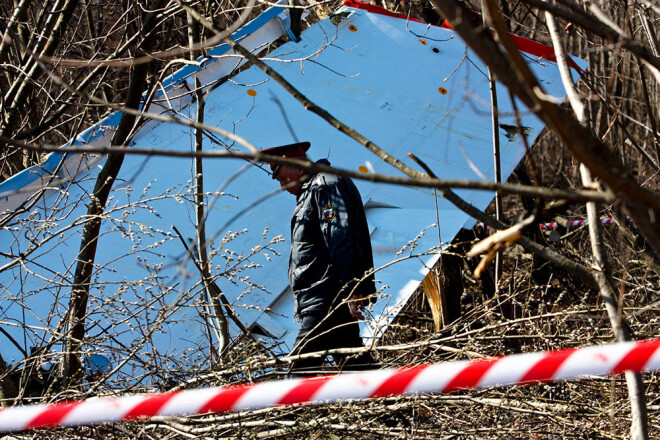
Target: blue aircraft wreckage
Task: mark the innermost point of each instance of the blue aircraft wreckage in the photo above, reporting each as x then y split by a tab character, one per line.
407	86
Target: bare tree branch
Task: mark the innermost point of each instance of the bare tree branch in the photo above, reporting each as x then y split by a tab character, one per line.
85	261
640	203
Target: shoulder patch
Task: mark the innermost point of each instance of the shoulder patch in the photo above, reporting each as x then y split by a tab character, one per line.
329	212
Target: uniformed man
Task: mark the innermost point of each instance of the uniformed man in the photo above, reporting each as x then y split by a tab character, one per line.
330	265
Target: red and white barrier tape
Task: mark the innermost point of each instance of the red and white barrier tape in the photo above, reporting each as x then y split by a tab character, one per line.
574	223
570	224
439	378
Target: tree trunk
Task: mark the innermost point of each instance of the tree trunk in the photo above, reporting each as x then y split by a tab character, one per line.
85	262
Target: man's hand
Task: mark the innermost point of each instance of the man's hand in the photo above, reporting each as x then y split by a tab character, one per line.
355	307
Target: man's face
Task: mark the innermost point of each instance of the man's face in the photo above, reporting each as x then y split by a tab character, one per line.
288	177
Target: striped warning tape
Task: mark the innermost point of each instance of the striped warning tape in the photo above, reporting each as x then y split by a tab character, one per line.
436	378
575	223
569	224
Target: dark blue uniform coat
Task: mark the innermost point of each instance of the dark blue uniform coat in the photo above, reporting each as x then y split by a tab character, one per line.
330	257
330	245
